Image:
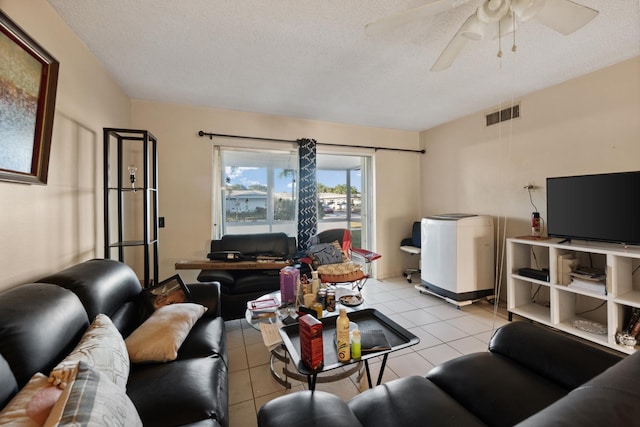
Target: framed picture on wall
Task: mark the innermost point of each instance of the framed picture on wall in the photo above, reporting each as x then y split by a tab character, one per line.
28	83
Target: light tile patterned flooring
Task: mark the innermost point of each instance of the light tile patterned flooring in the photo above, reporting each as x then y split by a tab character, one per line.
445	332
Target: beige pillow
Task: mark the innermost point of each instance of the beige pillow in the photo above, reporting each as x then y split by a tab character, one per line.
159	338
102	347
32	405
91	399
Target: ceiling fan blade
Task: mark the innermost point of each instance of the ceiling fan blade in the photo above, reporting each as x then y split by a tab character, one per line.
565	16
430	9
450	53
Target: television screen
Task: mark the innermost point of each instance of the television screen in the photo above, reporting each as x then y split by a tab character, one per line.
604	207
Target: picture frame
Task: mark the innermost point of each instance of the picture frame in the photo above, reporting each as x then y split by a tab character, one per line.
28	86
170	291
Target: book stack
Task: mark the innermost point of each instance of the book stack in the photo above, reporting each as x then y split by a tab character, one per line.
589	279
261	308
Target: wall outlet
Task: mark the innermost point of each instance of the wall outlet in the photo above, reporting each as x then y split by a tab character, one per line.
161	222
530	186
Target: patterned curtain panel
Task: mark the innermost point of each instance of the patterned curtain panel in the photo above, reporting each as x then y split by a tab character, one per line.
307	197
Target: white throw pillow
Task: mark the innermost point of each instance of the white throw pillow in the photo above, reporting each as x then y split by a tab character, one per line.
159	338
102	347
91	399
32	405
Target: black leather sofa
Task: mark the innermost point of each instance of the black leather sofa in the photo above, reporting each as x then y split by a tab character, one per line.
241	286
42	322
531	376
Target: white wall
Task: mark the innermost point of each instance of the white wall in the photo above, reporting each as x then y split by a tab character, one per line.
587	125
185	169
46	228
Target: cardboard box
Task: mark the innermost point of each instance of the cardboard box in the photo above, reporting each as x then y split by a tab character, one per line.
311	347
289	278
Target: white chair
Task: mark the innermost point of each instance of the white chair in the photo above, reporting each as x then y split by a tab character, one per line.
412	245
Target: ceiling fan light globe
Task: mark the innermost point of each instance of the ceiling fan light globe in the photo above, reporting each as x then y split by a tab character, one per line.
473	29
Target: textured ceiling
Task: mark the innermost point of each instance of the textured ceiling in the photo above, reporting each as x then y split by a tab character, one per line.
312	58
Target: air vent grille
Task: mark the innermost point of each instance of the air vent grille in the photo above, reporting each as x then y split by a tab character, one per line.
503	115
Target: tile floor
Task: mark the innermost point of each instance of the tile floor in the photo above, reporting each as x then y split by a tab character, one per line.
445	332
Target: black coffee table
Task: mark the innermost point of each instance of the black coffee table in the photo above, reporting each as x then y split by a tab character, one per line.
367	319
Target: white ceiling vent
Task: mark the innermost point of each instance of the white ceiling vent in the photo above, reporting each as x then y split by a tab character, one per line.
503	115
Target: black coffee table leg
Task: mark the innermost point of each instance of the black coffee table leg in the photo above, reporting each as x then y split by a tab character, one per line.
311	381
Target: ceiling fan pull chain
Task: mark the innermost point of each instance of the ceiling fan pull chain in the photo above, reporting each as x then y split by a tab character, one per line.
514	47
499	40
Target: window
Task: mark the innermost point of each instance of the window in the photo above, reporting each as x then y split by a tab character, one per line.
258	191
343	193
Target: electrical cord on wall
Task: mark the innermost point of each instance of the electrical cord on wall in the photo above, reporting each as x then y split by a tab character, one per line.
535	208
593	309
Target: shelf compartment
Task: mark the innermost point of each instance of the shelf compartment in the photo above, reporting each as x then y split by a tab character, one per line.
535	312
572	305
525	255
526	292
567	326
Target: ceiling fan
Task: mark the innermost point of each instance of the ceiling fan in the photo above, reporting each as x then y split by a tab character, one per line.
493	19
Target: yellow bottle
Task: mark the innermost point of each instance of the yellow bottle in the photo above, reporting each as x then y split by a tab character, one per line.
343	344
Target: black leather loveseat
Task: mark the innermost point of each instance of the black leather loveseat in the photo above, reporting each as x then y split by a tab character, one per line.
42	322
241	286
531	376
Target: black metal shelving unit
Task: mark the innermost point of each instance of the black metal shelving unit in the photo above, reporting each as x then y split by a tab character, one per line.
125	233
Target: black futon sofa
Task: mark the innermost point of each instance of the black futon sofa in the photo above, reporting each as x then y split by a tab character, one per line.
40	323
241	286
531	376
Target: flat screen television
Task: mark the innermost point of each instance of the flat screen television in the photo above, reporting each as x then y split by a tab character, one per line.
603	207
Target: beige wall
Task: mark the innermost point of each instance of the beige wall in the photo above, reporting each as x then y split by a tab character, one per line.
185	169
587	125
46	228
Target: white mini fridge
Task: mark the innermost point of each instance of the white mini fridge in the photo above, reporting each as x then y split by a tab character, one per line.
457	257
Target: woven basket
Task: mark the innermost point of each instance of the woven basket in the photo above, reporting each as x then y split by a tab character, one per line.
340	273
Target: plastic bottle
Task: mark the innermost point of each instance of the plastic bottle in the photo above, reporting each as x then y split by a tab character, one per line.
315	283
356	346
343	343
536	229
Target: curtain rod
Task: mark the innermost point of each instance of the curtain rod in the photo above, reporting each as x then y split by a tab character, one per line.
211	135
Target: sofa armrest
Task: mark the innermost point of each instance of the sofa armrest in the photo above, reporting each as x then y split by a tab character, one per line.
207	294
566	360
305	409
610	398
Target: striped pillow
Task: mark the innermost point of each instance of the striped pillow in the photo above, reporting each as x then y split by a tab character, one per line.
92	399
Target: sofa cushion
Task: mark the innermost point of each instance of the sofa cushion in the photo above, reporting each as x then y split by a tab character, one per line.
574	361
102	347
497	390
161	335
206	339
308	408
91	399
9	385
255	281
272	244
180	392
224	277
39	325
32	405
410	402
102	285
